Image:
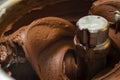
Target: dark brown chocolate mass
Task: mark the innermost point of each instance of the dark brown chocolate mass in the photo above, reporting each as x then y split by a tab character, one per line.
47	43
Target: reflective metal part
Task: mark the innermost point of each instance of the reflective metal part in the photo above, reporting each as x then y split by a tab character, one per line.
4	76
117	20
94	31
92	42
6	4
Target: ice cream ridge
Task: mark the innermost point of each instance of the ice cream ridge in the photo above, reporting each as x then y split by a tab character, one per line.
48	44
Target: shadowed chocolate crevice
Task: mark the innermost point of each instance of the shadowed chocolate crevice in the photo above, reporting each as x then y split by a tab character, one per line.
19	50
70	64
16	55
9	32
19	67
23	71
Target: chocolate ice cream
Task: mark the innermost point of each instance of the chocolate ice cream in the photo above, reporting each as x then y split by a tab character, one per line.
47	44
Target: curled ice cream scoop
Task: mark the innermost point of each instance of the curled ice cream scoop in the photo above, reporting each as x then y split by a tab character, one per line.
47	43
